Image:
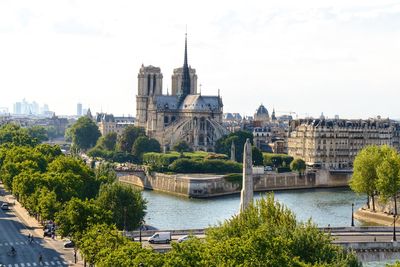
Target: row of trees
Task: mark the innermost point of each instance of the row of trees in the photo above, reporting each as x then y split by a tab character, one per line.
265	234
376	171
129	147
63	188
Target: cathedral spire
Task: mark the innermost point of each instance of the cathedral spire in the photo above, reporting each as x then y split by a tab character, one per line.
185	86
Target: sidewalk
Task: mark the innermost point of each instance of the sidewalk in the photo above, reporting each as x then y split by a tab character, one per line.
35	228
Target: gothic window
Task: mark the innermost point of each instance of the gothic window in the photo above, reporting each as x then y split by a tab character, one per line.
173	118
148	84
201	140
154	83
166	119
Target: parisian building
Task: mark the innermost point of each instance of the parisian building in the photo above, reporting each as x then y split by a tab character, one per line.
108	123
183	115
334	143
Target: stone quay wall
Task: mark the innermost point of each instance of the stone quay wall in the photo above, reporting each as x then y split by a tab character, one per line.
209	185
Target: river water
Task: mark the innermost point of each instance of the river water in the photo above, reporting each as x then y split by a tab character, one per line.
323	206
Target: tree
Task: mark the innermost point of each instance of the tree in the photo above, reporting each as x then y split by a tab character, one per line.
108	142
388	182
257	156
128	137
365	172
77	215
298	165
105	173
47	204
144	144
181	147
223	145
39	133
84	133
126	204
14	134
98	241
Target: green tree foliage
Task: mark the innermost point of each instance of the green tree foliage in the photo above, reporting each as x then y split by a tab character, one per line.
84	133
73	170
126	204
98	241
47	204
38	133
108	142
14	134
105	173
184	165
388	172
181	147
298	165
77	215
144	144
257	156
365	172
223	145
128	138
277	160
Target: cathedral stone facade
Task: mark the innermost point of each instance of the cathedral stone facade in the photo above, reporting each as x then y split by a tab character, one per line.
185	115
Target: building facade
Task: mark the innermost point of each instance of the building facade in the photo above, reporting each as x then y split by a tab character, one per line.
184	115
107	123
334	144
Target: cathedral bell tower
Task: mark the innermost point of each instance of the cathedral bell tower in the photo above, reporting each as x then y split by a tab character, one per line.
149	85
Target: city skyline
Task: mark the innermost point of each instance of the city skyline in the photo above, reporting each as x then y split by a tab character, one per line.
333	57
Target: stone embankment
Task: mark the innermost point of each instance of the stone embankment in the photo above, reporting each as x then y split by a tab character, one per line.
377	217
212	185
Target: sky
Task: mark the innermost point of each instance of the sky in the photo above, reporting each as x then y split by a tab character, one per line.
338	57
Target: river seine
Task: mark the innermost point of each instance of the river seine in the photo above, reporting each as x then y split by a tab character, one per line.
323	206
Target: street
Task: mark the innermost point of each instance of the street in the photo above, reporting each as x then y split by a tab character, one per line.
15	227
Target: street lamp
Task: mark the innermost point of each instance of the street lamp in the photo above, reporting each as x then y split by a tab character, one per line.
140	230
394	227
352	214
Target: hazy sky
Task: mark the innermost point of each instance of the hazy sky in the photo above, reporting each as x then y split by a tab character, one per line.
337	57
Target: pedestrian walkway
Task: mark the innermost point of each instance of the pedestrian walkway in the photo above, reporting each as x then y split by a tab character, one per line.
44	263
17	243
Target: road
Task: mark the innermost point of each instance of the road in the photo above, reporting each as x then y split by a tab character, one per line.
14	231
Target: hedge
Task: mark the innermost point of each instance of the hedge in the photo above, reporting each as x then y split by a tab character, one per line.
277	160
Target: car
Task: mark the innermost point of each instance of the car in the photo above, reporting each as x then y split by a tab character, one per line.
268	168
183	238
69	244
5	206
160	237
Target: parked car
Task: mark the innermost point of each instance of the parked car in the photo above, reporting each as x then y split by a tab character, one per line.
183	238
69	244
268	168
5	206
160	237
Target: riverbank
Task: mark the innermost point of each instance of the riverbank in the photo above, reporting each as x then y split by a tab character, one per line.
377	217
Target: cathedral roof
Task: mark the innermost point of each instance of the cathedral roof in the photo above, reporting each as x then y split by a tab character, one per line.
199	102
166	101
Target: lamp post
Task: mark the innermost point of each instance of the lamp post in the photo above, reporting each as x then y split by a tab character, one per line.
394	228
352	214
141	223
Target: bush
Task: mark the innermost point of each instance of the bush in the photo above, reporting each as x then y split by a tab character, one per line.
235	178
216	156
159	159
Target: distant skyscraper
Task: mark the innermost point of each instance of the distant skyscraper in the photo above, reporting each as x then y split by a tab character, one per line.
79	109
17	108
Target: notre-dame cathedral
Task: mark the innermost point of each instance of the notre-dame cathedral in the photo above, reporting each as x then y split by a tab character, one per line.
184	114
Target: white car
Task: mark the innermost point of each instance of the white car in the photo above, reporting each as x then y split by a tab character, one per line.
183	238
